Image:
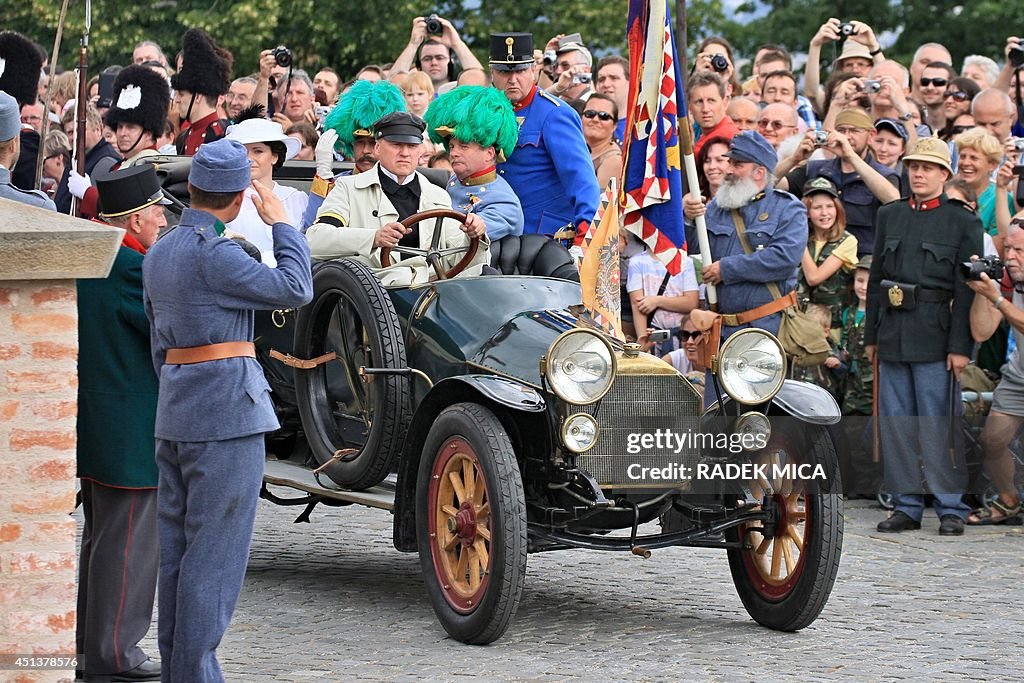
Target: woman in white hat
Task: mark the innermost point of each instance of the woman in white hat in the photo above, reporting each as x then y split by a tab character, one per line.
268	148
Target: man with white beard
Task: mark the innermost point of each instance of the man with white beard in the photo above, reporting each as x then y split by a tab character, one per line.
775	225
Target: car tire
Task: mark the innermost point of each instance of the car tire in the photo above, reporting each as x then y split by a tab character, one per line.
474	599
352	315
785	580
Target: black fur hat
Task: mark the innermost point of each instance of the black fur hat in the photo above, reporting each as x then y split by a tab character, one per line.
205	67
20	64
140	96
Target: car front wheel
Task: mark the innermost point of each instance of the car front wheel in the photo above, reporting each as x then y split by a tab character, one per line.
784	575
471	523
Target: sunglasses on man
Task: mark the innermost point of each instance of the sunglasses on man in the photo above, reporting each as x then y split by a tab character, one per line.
958	95
601	115
937	82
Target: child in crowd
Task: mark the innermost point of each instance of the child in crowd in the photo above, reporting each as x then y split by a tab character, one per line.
831	253
829	375
657	300
860	474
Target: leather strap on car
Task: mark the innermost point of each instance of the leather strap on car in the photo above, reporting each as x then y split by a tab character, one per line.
208	352
301	363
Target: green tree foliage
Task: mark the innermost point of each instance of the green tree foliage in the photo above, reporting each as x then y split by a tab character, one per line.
349	34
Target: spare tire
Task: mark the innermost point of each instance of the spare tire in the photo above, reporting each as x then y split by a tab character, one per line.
352	315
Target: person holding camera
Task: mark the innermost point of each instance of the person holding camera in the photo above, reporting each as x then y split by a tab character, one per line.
917	326
570	71
1006	417
864	184
431	44
861	50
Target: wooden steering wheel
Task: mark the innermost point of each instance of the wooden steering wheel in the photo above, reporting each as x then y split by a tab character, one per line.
433	254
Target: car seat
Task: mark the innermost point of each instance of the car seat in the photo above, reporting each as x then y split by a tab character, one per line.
533	254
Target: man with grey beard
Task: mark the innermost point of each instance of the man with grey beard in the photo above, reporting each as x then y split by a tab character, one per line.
775	224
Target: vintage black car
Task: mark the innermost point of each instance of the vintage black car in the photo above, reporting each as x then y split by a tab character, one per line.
493	423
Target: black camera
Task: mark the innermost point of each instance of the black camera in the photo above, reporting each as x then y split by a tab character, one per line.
434	25
719	63
1016	56
989	265
847	29
820	138
283	56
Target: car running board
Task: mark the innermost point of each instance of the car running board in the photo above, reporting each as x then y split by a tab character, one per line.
299	477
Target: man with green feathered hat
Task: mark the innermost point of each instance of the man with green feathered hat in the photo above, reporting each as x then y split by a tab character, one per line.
478	128
349	130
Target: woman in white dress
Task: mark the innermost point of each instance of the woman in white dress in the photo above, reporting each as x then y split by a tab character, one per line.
268	149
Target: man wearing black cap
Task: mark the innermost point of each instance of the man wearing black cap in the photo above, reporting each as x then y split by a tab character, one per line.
362	213
202	78
119	555
554	194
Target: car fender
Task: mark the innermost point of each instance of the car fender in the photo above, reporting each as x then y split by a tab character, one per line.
489	390
804	401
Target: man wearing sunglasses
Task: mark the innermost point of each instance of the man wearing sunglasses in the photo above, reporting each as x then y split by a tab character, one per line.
932	84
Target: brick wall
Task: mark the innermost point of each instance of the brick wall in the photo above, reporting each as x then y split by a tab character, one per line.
38	385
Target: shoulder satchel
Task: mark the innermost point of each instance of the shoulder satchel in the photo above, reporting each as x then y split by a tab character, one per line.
800	334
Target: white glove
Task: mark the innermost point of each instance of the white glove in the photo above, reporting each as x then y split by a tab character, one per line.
78	184
324	154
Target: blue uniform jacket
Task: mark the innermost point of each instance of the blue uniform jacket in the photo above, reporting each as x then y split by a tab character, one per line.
550	170
776	228
491	198
30	197
202	289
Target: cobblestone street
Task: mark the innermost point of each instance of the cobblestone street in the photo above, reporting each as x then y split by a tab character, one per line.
333	601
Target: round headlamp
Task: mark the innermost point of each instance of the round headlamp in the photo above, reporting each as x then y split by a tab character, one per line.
755	430
751	366
579	432
580	366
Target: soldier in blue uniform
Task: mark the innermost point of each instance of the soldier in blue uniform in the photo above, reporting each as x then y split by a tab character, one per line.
477	127
214	404
10	148
776	226
550	170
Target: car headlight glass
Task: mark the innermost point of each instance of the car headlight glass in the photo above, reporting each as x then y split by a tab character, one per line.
580	367
751	366
579	432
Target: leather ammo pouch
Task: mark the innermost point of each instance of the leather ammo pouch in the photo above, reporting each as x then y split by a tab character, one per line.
800	335
905	297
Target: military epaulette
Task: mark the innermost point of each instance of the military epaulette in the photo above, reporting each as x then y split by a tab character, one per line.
783	193
548	96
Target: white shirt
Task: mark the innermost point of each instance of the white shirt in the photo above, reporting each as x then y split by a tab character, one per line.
251	226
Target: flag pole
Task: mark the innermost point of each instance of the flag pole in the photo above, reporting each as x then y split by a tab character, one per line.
686	147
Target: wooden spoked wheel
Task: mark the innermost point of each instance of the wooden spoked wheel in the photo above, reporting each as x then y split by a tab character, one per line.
460	518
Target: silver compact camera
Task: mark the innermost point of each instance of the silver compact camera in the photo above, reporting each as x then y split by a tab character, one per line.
582	78
820	138
872	86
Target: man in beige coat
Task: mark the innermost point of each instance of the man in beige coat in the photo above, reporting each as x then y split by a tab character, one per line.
362	213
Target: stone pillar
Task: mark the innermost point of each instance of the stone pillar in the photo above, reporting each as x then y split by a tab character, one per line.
41	255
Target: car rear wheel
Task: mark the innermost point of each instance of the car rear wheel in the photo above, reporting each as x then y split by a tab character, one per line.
352	316
784	577
471	523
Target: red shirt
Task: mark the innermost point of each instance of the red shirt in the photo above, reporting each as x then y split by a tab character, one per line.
726	128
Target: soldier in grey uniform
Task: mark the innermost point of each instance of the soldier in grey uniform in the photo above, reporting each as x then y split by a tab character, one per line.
10	148
214	404
775	223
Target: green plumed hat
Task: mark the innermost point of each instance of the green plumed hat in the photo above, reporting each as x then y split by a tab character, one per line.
474	113
360	108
